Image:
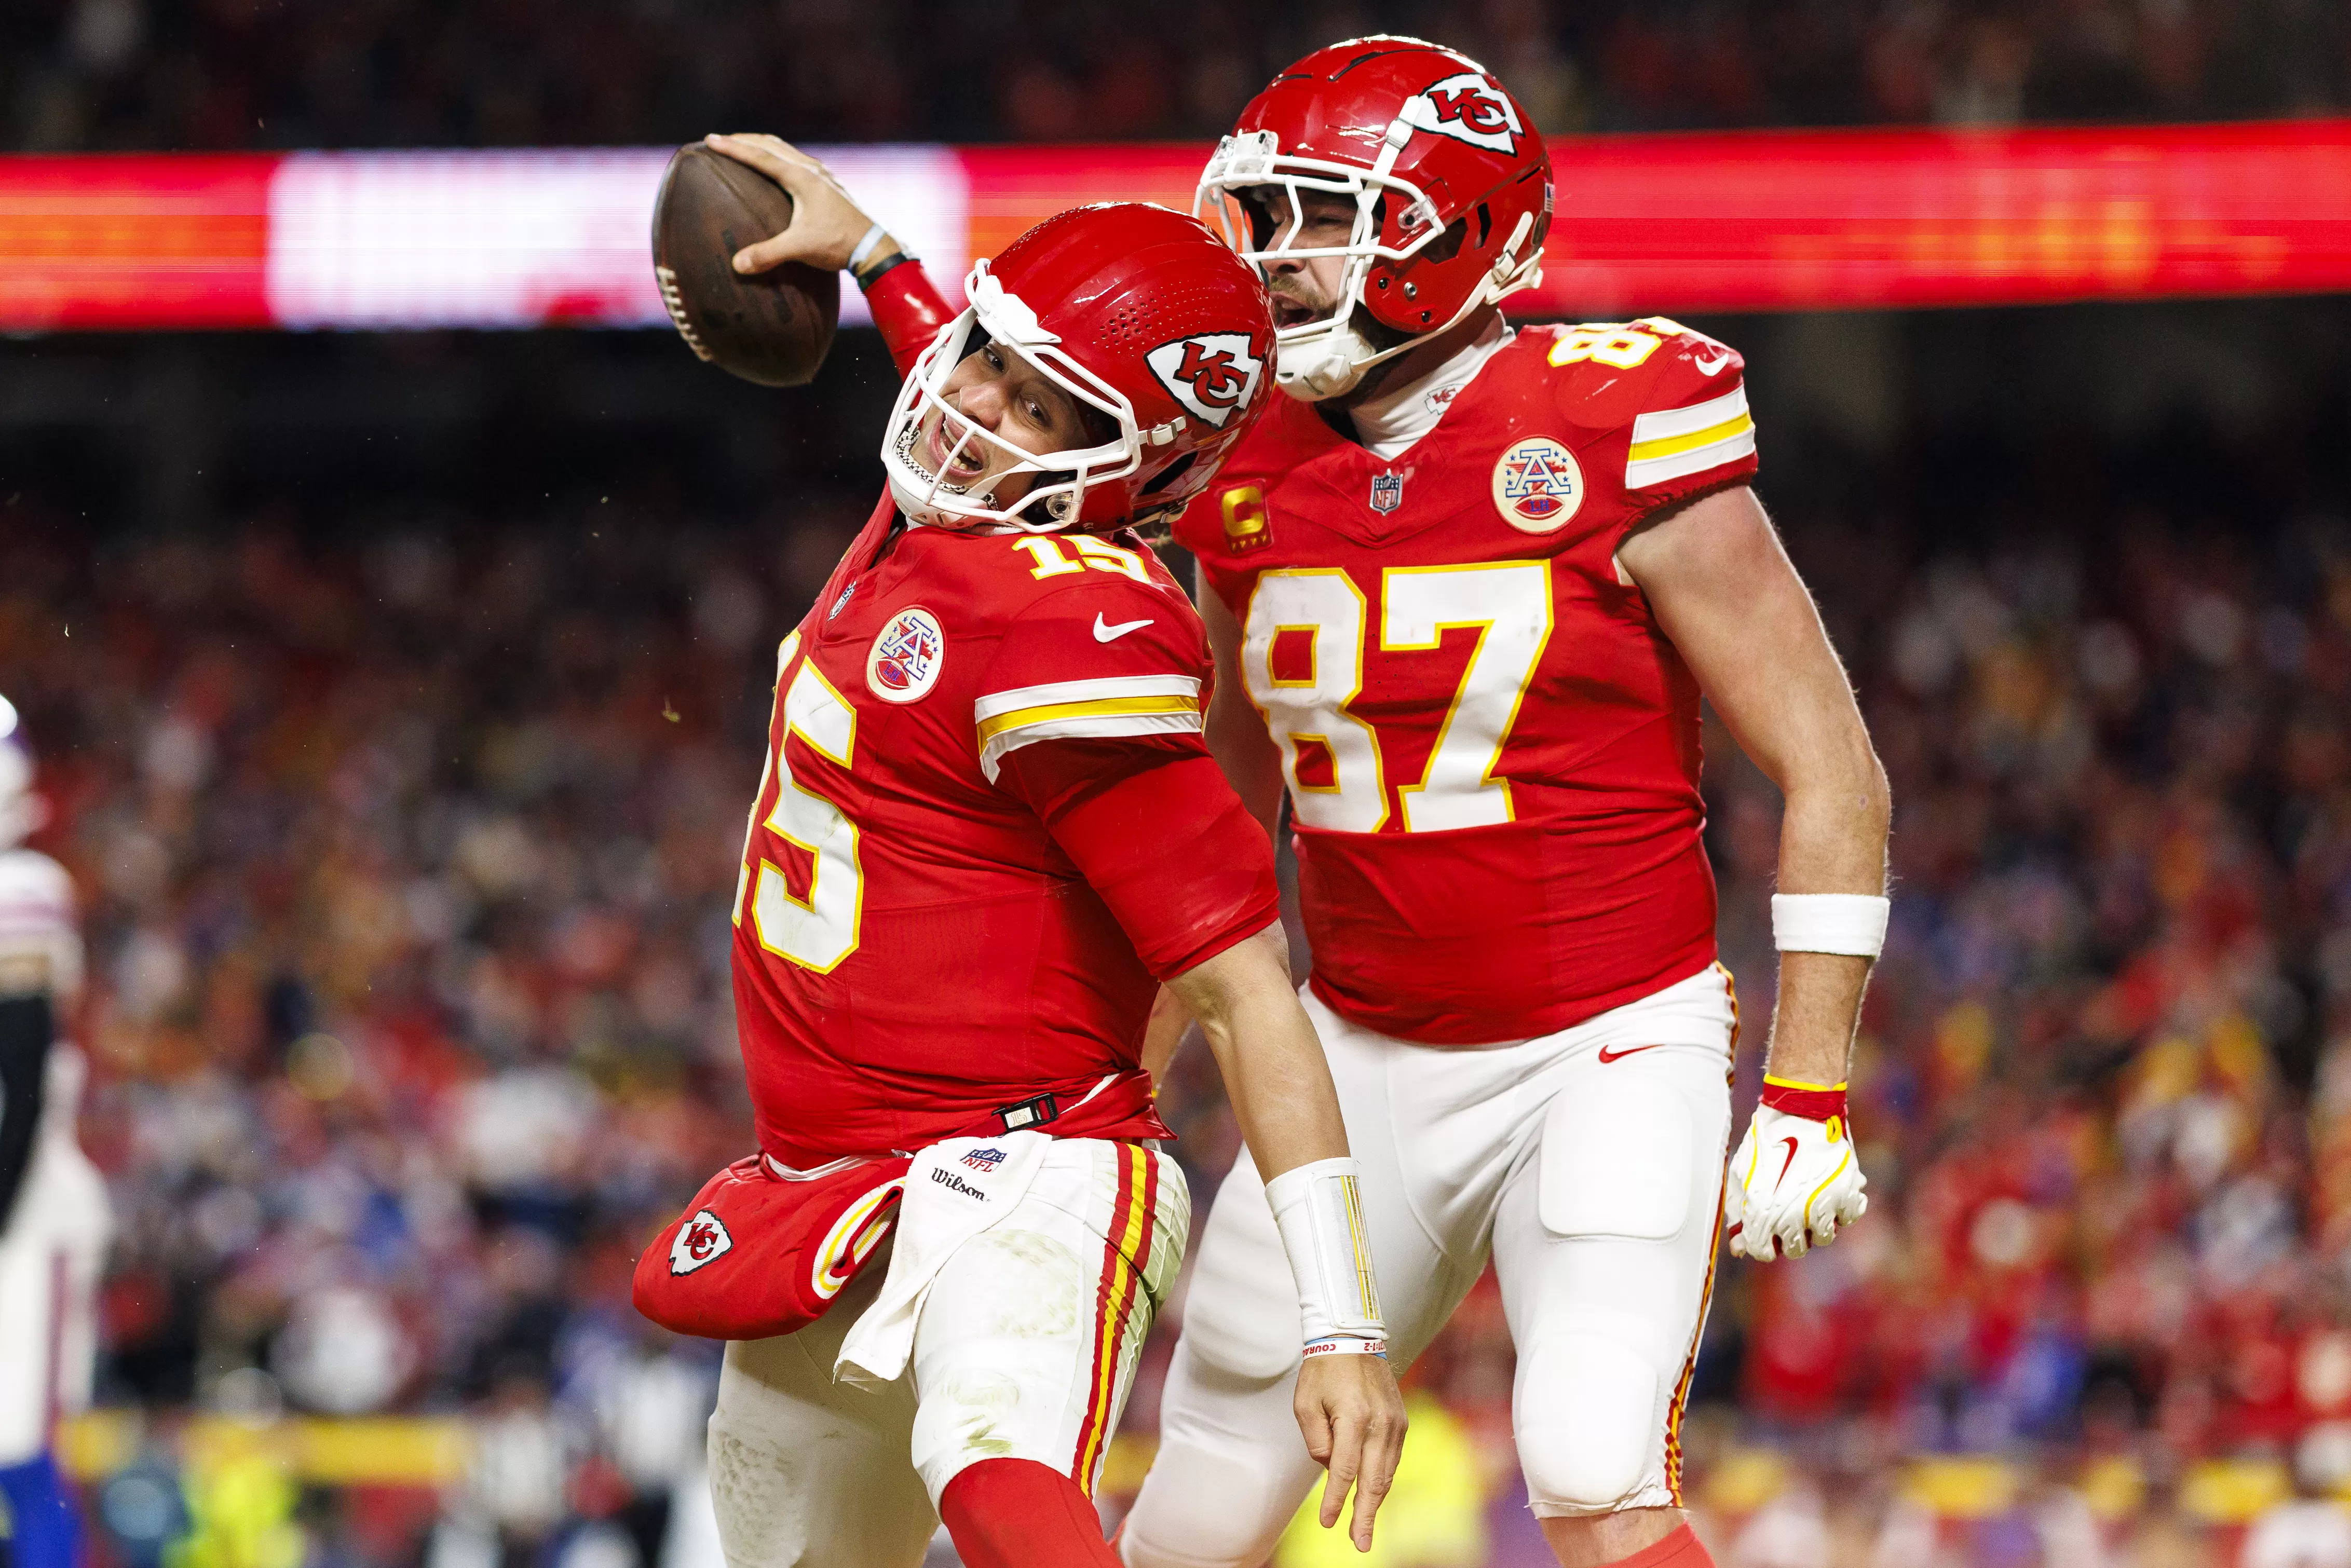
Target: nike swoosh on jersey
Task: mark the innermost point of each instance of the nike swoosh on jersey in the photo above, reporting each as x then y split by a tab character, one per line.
1785	1164
1607	1055
1711	367
1113	633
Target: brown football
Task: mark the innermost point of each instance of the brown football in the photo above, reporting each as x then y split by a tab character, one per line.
772	328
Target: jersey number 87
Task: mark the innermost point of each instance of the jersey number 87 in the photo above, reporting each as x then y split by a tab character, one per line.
1303	660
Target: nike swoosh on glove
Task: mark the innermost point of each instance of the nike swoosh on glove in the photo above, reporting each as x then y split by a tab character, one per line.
1795	1180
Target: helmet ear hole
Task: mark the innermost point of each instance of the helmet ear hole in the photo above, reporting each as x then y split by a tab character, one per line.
1485	223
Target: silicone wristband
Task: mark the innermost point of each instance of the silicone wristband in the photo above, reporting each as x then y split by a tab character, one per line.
874	273
873	237
1346	1344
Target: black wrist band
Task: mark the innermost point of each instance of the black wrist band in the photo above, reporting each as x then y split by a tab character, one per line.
873	270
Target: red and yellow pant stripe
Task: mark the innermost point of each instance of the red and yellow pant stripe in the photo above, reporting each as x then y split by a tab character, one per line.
1126	1252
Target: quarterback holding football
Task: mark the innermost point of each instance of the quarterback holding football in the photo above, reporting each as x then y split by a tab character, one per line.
1466	587
955	909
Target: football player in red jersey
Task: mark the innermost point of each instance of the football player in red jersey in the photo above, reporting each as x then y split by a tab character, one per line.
1466	588
955	909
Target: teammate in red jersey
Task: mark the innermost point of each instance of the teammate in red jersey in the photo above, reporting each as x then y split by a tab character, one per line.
1466	588
956	908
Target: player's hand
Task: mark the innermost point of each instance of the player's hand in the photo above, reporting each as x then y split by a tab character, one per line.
1796	1179
1353	1420
826	223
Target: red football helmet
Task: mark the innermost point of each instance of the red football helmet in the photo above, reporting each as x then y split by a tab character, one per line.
1452	191
1141	315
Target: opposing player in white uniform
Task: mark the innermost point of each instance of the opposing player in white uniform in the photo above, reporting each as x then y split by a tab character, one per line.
54	1221
1464	588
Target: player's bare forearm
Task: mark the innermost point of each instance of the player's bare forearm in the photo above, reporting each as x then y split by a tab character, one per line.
1724	590
1274	1070
1235	729
1169	1019
1814	1022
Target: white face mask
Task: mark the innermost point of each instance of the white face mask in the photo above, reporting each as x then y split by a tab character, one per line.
1326	359
926	496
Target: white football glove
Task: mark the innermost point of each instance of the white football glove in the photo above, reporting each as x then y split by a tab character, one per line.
1795	1180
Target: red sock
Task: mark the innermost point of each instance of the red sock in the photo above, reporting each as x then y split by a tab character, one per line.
1682	1549
1017	1514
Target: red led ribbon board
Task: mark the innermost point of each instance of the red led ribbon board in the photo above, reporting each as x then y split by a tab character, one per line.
1747	221
134	242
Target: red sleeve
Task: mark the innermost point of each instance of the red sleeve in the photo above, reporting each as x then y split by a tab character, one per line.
908	310
1120	809
1676	422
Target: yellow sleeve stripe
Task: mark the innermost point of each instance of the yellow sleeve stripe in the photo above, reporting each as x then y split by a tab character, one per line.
1673	445
1659	423
1777	1083
1101	718
1100	708
1017	697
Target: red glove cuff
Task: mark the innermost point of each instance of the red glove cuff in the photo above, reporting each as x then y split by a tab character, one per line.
1812	1101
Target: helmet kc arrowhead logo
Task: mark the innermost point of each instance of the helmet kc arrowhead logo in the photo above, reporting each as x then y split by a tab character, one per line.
1210	375
1467	107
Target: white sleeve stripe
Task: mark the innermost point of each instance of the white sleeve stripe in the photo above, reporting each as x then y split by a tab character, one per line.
1087	727
1669	423
1058	692
1652	471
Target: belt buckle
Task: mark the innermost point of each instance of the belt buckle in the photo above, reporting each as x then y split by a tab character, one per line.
1024	1114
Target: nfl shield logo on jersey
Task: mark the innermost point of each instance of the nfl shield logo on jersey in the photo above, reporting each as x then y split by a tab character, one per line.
907	653
701	1240
1537	486
1387	493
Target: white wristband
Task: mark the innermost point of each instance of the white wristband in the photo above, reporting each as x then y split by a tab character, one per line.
1850	923
873	237
1320	1210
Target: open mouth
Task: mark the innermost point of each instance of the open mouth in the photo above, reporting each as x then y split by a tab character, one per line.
1289	312
958	463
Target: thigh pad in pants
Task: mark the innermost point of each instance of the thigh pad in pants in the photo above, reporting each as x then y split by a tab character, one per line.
1605	1257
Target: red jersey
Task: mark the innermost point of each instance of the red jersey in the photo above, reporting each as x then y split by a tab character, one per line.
1492	749
955	893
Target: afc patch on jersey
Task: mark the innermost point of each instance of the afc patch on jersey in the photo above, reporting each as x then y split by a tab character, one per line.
700	1240
1538	486
907	655
1211	375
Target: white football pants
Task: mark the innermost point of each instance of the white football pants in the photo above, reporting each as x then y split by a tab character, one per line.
1026	1349
1587	1163
50	1259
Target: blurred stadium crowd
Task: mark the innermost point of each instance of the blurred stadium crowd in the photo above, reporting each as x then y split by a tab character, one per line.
93	75
406	862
